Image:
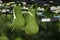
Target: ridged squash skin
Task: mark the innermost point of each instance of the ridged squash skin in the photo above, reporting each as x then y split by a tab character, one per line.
19	21
31	26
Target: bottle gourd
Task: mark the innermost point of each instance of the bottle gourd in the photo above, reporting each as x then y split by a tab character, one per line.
31	26
18	21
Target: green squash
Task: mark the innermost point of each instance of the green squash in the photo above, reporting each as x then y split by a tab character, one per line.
31	26
18	21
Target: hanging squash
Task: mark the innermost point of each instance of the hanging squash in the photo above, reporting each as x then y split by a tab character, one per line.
18	20
31	26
